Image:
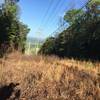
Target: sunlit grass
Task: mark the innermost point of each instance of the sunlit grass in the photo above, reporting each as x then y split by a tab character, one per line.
51	78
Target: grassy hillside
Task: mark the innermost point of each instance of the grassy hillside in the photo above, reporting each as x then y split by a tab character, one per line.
49	78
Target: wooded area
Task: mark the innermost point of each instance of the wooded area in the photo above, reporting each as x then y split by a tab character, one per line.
82	38
44	76
13	32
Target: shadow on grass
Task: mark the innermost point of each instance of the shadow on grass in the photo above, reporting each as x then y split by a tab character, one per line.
7	91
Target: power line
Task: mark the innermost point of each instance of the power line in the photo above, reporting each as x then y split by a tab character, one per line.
71	7
55	6
57	30
39	30
58	5
60	17
47	11
63	24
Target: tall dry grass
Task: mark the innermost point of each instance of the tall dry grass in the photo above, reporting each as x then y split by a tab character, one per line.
51	78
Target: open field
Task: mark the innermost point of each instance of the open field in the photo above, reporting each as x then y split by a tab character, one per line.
49	78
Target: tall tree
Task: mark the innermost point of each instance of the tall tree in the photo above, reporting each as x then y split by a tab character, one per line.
12	32
82	38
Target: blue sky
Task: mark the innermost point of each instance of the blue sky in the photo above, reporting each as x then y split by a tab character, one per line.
42	16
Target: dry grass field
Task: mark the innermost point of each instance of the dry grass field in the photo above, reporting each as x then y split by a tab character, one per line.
48	78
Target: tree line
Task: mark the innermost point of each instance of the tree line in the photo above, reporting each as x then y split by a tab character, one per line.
82	37
13	32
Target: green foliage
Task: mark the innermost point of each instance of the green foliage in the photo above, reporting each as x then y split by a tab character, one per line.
12	32
72	15
48	46
82	38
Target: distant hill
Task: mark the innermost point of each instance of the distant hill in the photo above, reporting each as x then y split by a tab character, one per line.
33	45
35	40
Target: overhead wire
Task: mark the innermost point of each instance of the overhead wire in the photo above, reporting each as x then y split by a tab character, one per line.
64	10
39	30
61	8
65	23
53	9
46	13
61	19
57	6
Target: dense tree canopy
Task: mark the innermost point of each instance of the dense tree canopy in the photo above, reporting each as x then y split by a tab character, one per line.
82	38
72	15
12	32
48	46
